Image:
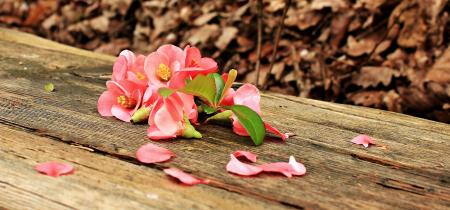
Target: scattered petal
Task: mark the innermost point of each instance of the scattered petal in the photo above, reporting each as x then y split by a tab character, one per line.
237	167
364	140
183	177
250	156
279	167
150	153
275	131
49	87
299	169
54	169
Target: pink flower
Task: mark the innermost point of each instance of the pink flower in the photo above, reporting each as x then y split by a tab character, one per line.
150	153
196	64
364	140
54	169
183	177
163	67
249	96
167	118
121	99
130	67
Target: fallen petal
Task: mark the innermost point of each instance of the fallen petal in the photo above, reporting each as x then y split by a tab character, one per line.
237	167
279	167
54	169
275	131
299	169
150	153
250	156
183	177
364	140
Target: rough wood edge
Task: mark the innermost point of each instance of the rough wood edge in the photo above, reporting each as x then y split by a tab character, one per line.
36	41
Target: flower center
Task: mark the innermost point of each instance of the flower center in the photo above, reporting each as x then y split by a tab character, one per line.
140	76
126	102
163	72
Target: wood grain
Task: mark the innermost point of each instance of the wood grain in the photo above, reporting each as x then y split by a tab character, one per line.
99	182
407	169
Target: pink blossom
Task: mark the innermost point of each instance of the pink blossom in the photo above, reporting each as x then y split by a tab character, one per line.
129	66
196	64
166	119
54	169
184	177
151	153
237	167
249	96
364	140
163	67
121	99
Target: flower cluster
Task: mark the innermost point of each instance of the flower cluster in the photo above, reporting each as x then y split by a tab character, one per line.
171	86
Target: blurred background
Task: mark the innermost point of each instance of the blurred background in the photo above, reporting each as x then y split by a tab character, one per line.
386	54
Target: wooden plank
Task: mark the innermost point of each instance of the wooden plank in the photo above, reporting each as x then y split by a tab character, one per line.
408	170
99	182
14	36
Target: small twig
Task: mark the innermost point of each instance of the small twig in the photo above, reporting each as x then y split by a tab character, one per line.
277	40
258	47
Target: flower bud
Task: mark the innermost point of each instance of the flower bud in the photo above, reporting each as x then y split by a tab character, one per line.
140	115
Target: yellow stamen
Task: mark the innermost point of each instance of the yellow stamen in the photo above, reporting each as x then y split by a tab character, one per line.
140	76
163	72
126	102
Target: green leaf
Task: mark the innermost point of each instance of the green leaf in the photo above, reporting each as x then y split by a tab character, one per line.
207	109
231	78
251	121
218	81
165	92
202	87
49	87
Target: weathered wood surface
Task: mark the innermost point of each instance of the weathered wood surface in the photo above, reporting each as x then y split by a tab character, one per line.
408	169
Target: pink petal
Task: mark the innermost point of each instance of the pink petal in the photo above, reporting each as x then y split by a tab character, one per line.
248	95
278	167
151	153
120	69
250	156
54	169
275	131
173	53
228	98
105	103
192	54
183	177
131	58
121	113
151	64
165	119
299	169
237	167
155	134
364	140
238	128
